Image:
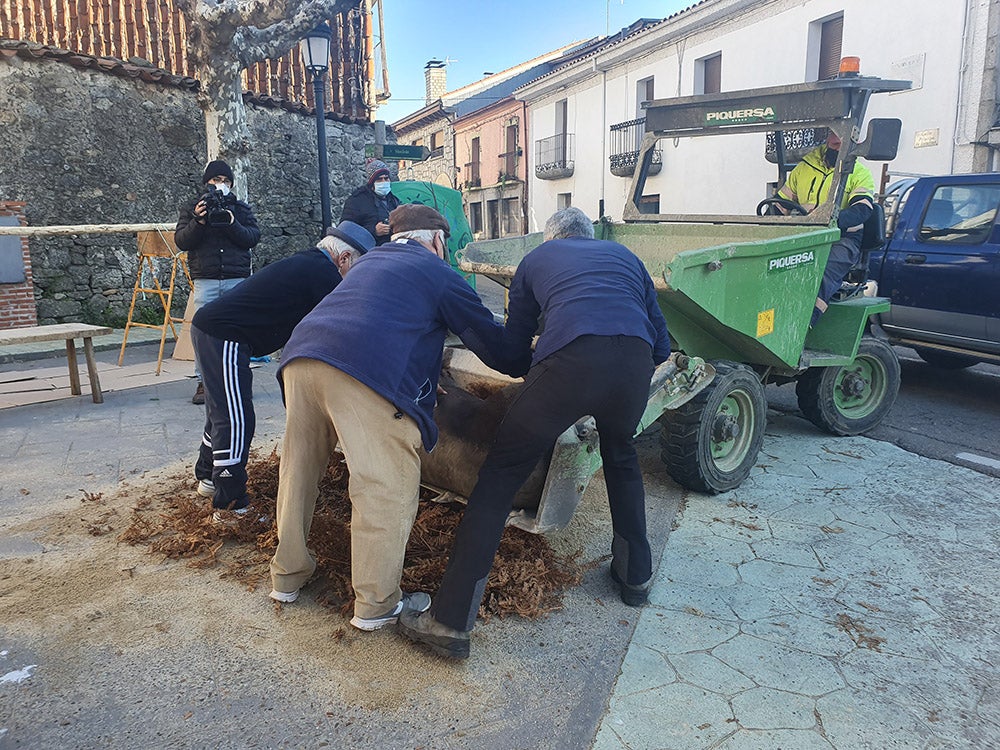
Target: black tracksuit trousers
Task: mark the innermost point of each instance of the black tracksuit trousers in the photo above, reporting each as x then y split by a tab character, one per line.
229	417
606	377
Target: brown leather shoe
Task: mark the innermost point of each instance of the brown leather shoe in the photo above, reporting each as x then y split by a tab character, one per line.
442	640
199	395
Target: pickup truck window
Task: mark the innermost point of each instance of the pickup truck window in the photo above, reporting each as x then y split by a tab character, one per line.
960	214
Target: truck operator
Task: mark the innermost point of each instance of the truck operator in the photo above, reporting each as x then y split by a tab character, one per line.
808	185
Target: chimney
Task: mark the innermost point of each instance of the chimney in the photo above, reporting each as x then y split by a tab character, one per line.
434	80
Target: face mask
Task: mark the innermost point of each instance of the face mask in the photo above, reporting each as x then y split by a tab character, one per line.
223	188
383	188
830	157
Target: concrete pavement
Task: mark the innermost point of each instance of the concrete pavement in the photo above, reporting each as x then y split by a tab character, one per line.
845	596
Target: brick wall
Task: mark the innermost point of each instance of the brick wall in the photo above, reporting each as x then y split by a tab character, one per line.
17	301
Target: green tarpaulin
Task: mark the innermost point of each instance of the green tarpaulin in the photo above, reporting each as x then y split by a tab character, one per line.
449	203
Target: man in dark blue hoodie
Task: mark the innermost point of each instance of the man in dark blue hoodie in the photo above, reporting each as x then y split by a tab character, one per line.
362	370
604	333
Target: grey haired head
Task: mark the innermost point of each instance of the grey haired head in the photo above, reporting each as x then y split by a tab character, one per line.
569	222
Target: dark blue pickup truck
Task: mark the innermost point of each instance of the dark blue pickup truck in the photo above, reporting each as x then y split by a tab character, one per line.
941	269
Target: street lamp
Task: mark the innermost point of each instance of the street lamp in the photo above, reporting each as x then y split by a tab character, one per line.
315	51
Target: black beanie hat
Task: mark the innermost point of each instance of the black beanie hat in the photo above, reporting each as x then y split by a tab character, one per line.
217	168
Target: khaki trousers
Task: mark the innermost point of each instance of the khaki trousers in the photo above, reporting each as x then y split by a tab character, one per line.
324	406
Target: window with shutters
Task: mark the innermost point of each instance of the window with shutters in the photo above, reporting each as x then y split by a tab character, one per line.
476	217
831	36
708	74
643	93
437	144
562	123
825	47
508	166
473	166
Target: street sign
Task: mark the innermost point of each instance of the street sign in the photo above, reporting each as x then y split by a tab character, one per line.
396	152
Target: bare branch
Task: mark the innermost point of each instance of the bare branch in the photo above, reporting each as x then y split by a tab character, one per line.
256	44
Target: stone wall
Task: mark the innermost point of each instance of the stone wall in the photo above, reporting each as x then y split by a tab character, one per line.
83	147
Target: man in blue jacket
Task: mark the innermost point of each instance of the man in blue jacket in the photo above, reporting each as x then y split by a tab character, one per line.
603	335
362	370
254	319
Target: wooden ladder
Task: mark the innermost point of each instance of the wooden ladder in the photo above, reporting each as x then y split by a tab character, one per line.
154	245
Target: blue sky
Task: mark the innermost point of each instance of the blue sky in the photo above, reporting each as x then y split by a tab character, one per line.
491	35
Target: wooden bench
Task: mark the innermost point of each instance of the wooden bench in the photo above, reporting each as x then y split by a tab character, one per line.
64	332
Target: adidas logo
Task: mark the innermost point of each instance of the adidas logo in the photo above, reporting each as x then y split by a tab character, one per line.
224	474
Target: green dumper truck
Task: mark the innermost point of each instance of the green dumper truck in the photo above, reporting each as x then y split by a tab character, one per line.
737	292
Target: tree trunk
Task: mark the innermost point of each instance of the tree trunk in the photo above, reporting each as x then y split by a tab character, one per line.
225	38
226	131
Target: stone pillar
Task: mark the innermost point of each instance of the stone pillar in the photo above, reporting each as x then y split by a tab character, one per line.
17	289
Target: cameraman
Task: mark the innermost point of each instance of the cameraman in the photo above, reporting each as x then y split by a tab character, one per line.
217	231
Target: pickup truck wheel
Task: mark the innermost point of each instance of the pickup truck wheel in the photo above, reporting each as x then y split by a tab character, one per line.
711	443
946	360
854	398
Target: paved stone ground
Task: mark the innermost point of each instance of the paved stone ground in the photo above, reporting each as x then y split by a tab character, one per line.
844	597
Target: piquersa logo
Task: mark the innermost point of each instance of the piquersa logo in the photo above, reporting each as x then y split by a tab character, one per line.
788	262
738	116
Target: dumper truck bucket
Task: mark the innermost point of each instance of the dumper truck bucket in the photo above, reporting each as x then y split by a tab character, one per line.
742	293
575	457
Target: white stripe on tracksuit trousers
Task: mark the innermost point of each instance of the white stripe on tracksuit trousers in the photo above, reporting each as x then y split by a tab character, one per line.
229	413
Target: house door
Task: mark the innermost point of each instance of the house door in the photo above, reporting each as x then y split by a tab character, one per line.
493	209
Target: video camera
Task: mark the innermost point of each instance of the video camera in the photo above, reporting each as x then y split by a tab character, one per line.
215	202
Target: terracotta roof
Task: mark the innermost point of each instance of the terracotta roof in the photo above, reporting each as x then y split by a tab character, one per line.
148	73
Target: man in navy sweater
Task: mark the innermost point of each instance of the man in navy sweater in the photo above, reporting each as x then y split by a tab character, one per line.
603	335
254	319
362	370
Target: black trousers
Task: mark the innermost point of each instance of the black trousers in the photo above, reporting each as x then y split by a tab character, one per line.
606	377
229	417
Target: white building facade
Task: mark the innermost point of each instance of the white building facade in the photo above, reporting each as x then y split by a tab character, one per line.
582	115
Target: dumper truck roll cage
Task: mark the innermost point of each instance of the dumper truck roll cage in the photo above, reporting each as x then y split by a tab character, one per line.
838	105
737	292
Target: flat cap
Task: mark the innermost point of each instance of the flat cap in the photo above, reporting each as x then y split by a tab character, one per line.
411	216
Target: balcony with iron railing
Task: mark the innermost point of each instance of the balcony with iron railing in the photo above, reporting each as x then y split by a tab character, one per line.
474	178
436	153
794	143
626	140
508	164
554	157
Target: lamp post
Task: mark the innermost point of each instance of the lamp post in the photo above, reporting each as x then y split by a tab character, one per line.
315	50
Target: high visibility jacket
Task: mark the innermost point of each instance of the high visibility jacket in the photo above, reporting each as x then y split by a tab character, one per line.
809	183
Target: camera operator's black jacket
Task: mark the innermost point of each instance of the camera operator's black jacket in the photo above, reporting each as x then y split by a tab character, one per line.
218	252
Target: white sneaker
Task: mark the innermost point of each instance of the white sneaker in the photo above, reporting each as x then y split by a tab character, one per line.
284	597
416	602
230	517
206	488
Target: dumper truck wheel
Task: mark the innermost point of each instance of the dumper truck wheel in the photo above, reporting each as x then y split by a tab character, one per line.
710	443
854	398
